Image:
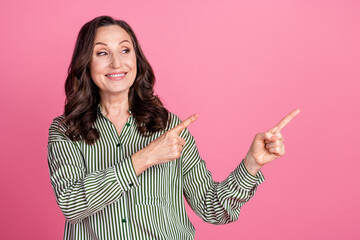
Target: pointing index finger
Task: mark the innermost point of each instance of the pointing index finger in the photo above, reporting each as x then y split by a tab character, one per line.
285	121
181	126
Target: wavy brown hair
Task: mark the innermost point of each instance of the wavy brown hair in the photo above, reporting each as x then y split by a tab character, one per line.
82	95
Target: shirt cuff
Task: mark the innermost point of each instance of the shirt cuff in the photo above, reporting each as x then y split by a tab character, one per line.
245	179
126	175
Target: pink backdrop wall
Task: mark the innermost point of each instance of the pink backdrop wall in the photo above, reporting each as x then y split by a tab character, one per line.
241	65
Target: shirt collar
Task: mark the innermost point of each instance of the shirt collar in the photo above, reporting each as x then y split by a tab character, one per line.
99	109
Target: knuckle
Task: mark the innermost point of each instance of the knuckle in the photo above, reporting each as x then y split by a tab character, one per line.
175	153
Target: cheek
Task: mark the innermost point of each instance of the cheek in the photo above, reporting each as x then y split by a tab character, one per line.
134	68
96	73
93	68
97	68
132	61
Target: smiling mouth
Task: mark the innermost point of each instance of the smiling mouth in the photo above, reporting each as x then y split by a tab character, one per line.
116	76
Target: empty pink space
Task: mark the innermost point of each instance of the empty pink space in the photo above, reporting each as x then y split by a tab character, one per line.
241	65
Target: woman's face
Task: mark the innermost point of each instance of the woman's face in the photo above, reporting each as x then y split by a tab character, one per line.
113	62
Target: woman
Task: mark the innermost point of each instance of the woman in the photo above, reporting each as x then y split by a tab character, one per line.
120	163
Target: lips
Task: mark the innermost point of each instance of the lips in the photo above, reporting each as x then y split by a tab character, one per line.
116	75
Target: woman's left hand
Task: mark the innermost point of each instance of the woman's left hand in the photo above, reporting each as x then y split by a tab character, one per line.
268	146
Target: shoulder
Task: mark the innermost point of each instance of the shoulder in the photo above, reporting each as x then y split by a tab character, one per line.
57	130
174	120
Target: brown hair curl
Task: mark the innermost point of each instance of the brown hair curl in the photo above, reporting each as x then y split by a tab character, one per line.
82	95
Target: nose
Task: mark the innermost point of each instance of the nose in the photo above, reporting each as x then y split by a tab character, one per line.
116	61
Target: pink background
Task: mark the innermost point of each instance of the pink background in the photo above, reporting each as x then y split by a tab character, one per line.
241	65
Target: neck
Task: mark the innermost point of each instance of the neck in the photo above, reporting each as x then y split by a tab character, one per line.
114	105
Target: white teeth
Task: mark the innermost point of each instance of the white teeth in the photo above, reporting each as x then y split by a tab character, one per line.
116	75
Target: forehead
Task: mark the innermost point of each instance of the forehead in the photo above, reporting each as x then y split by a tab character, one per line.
111	34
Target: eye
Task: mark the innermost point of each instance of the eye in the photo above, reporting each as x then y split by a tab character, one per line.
101	53
126	50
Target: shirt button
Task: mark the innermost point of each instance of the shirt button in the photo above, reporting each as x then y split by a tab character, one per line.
131	184
124	220
127	124
118	145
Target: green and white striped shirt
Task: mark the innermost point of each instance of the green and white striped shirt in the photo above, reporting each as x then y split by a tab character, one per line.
101	197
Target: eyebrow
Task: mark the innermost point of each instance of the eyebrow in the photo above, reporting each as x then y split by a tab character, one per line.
106	45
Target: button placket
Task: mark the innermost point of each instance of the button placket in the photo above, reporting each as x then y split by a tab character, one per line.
125	216
125	128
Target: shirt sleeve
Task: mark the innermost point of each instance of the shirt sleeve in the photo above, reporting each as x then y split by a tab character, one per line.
80	194
215	202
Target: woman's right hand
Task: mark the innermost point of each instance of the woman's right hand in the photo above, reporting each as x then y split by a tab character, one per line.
164	149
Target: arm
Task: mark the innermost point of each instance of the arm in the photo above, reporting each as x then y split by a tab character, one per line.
78	193
215	202
220	203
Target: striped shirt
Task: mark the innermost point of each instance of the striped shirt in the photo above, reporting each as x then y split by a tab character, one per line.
101	197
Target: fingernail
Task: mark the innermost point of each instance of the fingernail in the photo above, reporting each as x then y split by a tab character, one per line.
273	138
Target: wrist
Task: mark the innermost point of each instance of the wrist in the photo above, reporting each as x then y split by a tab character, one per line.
251	165
140	162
